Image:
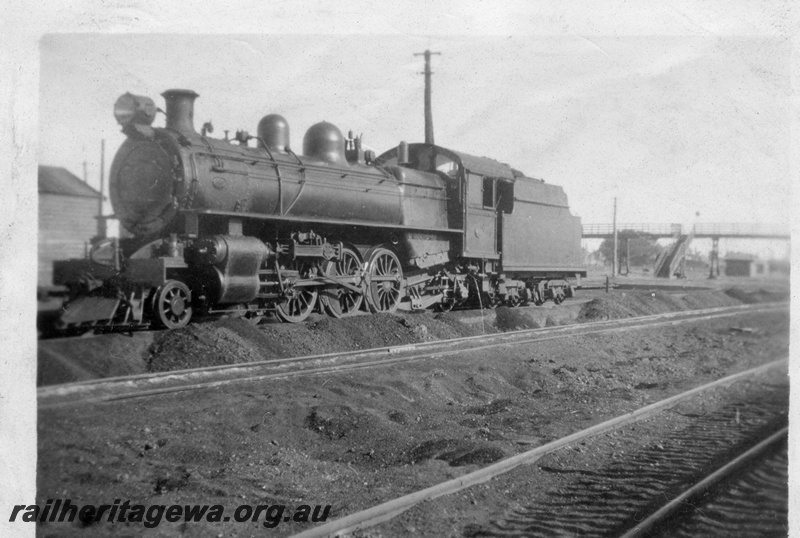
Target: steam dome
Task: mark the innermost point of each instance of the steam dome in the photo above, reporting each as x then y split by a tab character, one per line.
273	130
324	141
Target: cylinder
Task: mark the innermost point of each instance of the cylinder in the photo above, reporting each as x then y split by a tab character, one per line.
180	110
233	277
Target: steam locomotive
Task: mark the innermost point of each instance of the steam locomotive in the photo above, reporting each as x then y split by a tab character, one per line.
244	226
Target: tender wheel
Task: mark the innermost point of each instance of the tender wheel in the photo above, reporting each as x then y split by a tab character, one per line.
300	302
341	302
538	297
558	295
384	281
524	296
490	300
172	305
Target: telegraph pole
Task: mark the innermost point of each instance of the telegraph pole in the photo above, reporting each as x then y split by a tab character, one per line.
428	112
101	223
85	178
614	262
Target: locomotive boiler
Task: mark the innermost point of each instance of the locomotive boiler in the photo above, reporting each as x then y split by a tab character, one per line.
244	226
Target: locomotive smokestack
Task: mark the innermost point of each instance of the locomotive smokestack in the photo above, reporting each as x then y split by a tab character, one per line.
180	110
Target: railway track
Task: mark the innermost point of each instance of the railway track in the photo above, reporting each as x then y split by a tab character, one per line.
590	506
634	495
685	501
165	383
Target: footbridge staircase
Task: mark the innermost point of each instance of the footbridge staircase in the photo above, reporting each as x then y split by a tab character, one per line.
672	260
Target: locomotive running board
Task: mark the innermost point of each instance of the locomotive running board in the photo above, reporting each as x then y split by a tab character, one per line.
361	223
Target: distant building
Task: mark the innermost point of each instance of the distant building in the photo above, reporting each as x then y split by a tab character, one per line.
781	267
740	265
67	218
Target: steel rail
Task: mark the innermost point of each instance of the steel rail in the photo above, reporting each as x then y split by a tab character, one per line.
522	331
390	509
758	308
59	394
667	510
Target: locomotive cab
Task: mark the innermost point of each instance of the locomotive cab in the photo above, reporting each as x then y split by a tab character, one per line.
517	233
479	191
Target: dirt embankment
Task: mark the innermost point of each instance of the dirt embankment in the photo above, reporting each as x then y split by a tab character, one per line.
356	439
233	341
630	303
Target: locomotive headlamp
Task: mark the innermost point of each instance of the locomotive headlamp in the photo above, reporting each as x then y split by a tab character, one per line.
136	109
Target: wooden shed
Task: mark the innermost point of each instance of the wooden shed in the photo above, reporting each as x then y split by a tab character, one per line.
739	265
67	218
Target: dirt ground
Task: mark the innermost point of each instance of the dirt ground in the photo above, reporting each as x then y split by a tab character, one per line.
355	439
232	341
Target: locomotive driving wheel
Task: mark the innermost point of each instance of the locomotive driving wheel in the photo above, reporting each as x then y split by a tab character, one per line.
340	302
300	300
384	280
172	305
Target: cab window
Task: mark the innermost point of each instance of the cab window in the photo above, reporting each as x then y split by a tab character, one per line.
447	166
474	190
488	193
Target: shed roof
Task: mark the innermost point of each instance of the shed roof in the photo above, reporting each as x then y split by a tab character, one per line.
739	256
58	180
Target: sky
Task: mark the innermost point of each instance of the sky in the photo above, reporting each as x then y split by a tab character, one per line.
679	128
672	126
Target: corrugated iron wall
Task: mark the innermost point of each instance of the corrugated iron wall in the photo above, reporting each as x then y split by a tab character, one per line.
66	224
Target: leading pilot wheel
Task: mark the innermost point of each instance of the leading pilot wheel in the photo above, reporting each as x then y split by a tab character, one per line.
341	302
172	305
384	280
